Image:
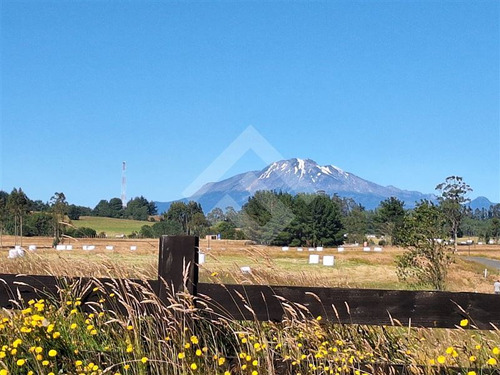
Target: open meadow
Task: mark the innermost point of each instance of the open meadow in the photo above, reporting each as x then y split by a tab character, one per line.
354	268
112	227
70	337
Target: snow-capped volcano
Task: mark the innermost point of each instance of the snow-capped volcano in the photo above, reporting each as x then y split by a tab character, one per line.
298	176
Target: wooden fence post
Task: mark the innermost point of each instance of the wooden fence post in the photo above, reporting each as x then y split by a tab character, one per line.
177	253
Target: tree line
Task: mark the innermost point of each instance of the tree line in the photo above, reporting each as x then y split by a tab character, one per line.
20	216
268	217
429	232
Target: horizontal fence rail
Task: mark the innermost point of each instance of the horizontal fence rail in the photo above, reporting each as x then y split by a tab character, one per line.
178	269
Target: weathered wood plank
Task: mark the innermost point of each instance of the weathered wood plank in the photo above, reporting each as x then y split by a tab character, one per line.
26	287
178	253
358	306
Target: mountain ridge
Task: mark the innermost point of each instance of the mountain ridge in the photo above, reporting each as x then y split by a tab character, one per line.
297	176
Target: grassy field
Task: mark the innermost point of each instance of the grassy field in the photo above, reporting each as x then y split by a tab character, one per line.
270	265
112	227
152	338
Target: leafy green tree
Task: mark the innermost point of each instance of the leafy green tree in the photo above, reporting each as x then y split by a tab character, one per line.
59	208
427	258
38	206
494	229
389	218
146	231
215	216
116	207
39	224
81	232
74	211
102	209
356	224
198	225
226	229
18	206
184	214
452	202
136	209
231	214
166	227
494	211
139	208
4	196
178	212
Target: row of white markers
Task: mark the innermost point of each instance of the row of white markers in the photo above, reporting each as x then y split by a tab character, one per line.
18	251
339	249
328	260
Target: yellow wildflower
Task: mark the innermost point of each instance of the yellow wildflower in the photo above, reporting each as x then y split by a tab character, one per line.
492	361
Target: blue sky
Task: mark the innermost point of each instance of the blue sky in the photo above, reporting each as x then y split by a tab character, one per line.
399	93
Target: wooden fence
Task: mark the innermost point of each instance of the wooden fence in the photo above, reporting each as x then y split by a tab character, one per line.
178	269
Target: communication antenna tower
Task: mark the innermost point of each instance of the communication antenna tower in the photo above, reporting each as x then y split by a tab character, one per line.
124	185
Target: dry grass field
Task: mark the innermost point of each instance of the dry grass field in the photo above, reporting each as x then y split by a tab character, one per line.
353	268
178	340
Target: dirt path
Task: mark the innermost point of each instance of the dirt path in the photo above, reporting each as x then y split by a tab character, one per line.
493	263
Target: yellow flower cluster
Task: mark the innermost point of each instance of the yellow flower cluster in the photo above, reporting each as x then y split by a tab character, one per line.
48	339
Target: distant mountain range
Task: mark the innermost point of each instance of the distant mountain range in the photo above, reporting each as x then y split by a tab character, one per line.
302	176
480	203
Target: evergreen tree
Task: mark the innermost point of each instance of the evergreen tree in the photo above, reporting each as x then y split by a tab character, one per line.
389	218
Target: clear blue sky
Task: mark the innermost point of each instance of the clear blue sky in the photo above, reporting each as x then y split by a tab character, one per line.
401	93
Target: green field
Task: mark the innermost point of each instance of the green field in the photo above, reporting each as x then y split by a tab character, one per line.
110	226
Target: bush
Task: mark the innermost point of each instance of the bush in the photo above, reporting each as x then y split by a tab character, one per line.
82	232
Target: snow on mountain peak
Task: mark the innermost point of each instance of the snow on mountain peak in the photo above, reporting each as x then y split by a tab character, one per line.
301	168
269	170
341	171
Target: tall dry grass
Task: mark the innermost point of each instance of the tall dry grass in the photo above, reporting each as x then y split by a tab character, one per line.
126	329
